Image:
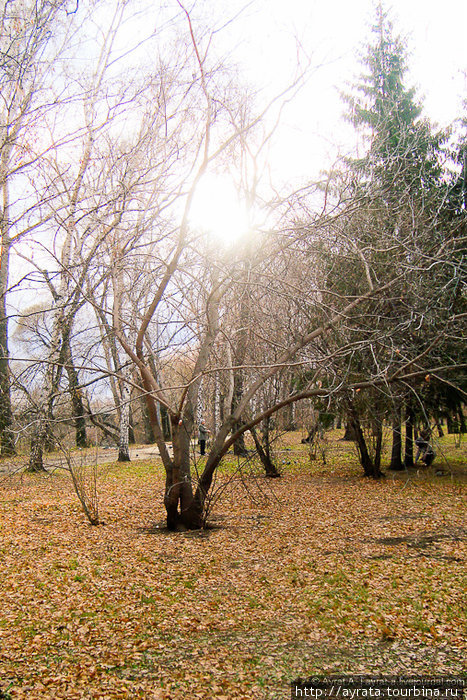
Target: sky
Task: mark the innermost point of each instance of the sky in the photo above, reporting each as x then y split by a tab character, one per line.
269	36
331	32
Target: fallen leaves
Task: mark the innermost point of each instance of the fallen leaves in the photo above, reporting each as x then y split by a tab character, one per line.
323	572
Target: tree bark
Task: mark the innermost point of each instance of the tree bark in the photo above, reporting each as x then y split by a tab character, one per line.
378	448
371	467
124	426
178	497
239	359
439	425
461	417
6	418
290	424
409	421
396	453
349	433
79	412
131	429
36	459
239	445
165	423
270	468
149	437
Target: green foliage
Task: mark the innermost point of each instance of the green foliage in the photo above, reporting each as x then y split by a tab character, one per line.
403	226
402	150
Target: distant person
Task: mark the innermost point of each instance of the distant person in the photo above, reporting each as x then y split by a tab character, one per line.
202	437
425	451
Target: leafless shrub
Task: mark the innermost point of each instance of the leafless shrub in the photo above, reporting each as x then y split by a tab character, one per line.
84	478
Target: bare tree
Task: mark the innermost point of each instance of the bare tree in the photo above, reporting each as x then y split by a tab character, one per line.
86	204
316	294
26	60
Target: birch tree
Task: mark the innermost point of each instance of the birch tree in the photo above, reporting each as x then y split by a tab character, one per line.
26	62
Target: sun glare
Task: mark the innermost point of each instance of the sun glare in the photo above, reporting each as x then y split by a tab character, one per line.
218	211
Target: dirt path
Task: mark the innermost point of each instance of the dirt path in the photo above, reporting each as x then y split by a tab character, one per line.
99	455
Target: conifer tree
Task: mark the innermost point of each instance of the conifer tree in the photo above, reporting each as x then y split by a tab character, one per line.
394	226
403	151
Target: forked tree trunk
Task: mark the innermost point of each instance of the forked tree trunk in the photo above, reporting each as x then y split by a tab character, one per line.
365	458
264	454
371	467
181	509
178	498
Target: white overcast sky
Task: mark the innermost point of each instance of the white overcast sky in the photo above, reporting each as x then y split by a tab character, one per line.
332	32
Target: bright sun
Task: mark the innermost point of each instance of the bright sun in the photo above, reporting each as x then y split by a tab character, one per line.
217	209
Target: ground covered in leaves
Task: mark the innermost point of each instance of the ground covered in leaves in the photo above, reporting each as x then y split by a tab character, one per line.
318	572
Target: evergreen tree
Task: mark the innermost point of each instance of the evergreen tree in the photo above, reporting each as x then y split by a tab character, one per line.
403	157
393	229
